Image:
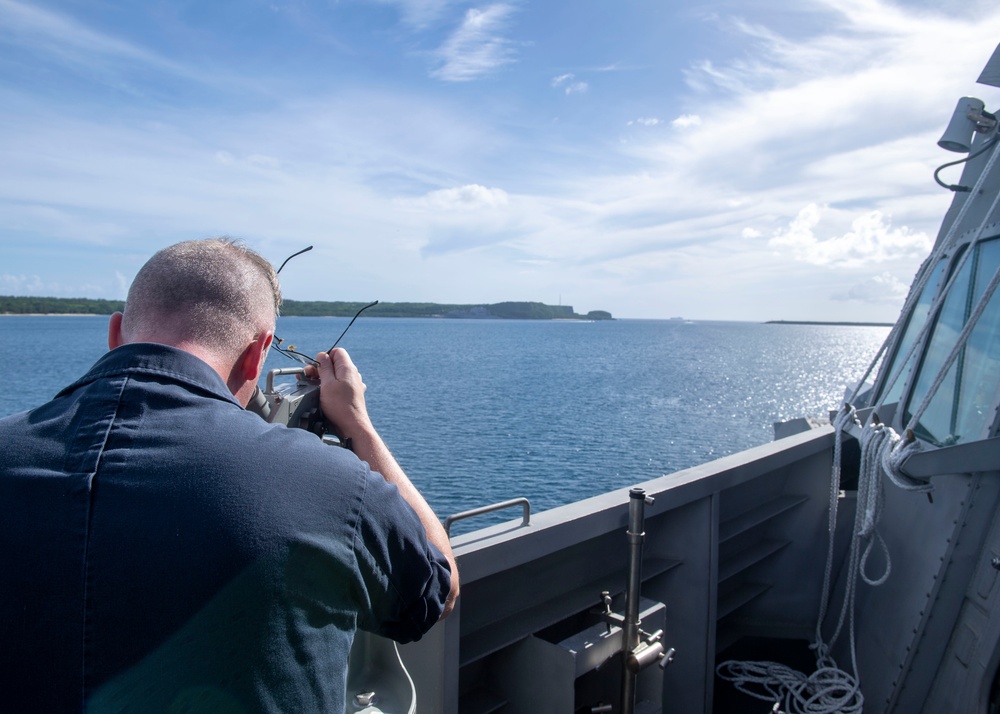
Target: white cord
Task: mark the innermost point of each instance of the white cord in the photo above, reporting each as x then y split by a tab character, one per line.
828	690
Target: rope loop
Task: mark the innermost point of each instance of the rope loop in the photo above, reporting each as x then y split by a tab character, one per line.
874	439
875	582
845	417
892	463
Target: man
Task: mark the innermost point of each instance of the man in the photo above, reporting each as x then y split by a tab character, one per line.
164	550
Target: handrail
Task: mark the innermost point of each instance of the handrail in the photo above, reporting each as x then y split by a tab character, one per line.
523	502
269	388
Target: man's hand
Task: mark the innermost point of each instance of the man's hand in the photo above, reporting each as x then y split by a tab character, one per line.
342	398
342	394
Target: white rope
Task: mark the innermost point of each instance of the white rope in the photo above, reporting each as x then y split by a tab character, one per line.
847	416
825	691
875	439
892	464
829	690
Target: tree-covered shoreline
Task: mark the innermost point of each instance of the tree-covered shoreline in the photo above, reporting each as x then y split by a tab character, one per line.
18	305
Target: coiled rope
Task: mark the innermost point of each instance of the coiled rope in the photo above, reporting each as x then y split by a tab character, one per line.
829	690
825	690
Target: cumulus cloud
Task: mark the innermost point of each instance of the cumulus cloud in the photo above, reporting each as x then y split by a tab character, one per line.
644	121
472	197
21	284
478	46
34	285
878	289
750	233
871	239
686	120
570	84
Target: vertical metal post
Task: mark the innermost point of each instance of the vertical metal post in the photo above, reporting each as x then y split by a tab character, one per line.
630	631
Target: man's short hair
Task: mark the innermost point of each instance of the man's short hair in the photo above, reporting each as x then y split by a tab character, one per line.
216	292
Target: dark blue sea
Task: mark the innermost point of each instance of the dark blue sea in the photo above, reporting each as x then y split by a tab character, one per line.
480	411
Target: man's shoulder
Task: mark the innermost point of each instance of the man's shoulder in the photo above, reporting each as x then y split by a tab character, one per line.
303	457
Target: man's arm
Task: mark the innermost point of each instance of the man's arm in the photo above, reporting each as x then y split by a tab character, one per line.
342	398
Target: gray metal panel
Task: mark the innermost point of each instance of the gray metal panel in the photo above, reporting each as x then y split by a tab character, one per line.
537	676
971	457
427	660
689	593
520	580
794	573
966	617
480	553
891	617
965	675
991	73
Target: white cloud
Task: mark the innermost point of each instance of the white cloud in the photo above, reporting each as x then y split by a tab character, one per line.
870	240
784	102
59	36
34	285
878	289
686	120
472	197
570	84
773	123
827	116
22	285
477	47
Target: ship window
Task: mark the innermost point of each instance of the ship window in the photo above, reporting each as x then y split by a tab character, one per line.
914	325
963	407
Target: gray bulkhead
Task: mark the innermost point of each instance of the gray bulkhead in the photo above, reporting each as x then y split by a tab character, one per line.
734	547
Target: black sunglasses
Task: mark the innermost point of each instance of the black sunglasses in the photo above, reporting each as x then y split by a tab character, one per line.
290	351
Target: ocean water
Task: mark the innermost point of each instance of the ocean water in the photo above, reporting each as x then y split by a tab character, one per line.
481	411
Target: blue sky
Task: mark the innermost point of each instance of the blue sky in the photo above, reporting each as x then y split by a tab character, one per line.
716	160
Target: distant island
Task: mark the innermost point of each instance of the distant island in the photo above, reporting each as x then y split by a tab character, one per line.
13	305
837	324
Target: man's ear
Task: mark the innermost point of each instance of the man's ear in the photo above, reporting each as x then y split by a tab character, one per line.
115	338
252	361
243	375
